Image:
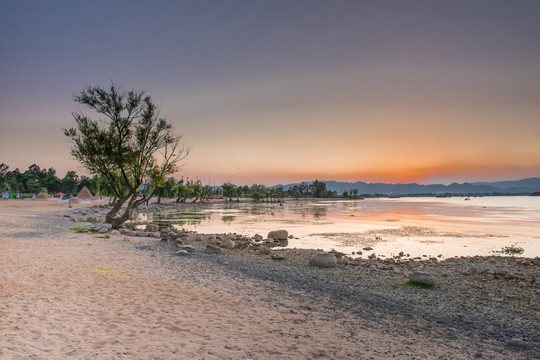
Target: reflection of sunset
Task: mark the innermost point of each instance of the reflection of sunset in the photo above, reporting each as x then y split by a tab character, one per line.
418	225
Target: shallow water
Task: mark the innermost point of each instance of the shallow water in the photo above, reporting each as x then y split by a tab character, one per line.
416	226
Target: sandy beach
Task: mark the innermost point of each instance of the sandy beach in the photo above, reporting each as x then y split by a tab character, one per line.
65	295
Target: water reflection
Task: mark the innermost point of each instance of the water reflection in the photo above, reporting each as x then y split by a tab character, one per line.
228	219
169	219
319	212
342	224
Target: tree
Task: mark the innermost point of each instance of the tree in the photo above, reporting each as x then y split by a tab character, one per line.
257	192
165	189
129	146
69	183
229	191
317	188
3	176
182	191
277	193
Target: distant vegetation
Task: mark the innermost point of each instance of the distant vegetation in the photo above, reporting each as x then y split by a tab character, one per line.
36	179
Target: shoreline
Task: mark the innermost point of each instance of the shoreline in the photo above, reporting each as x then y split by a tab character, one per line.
480	305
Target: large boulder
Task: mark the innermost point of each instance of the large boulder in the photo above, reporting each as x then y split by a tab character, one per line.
421	278
323	259
278	235
152	228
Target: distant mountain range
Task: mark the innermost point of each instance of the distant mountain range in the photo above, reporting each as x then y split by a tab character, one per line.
524	186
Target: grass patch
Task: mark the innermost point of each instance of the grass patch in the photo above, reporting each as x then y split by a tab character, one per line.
82	229
417	285
512	250
103	236
105	271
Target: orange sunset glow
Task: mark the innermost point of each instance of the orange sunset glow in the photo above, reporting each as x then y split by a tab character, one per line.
432	93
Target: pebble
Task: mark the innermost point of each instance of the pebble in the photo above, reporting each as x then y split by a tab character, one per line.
212	249
518	343
423	278
143	246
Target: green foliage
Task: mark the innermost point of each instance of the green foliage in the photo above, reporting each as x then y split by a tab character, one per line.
69	183
297	194
277	193
328	194
34	180
82	229
512	250
129	146
345	194
229	191
257	192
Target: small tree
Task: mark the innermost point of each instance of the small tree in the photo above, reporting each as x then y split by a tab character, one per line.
257	192
229	191
130	146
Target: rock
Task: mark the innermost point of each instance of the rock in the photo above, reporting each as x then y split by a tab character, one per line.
189	248
151	228
143	246
372	256
367	248
263	250
114	232
67	215
278	257
227	244
181	253
283	242
257	237
142	234
154	235
212	249
323	259
517	343
278	235
291	237
490	329
103	228
422	278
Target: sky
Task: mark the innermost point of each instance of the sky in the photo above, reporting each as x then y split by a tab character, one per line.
281	91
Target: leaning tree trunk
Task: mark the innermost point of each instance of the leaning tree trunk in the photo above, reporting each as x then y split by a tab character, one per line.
117	221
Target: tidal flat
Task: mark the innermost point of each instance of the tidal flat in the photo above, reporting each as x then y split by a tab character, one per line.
416	226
